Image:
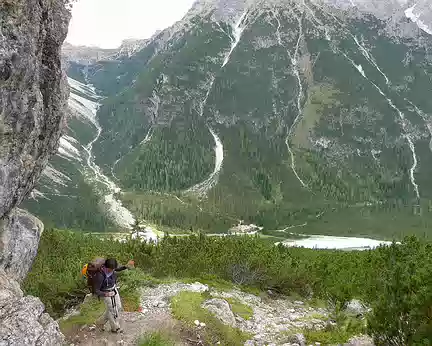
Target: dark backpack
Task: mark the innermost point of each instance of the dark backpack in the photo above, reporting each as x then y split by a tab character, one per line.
92	269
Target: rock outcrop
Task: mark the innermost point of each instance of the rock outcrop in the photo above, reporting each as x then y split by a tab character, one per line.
356	308
19	241
22	318
33	99
362	340
221	309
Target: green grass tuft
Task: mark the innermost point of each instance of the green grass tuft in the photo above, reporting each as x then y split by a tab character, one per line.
186	307
131	281
327	337
240	309
90	311
155	339
314	316
346	328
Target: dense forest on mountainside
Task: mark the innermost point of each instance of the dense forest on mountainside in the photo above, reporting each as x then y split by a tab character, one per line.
294	115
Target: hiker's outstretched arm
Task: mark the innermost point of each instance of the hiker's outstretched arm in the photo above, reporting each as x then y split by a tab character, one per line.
120	269
130	265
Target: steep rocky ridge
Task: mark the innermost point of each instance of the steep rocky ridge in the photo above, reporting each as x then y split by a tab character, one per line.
84	55
73	57
33	96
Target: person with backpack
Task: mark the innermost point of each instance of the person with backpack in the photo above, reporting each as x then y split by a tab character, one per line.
102	281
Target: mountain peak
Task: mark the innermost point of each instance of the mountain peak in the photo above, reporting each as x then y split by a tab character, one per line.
419	11
222	10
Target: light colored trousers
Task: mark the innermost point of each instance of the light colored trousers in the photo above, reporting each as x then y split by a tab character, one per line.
113	307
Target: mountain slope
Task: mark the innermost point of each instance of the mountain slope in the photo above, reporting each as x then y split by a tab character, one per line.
73	192
318	114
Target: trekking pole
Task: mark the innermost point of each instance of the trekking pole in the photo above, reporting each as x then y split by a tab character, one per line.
114	305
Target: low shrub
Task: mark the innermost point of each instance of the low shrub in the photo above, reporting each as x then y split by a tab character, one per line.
395	281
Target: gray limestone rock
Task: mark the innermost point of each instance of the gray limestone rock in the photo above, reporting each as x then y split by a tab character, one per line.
23	322
297	339
19	242
356	308
362	340
22	318
33	100
221	309
33	93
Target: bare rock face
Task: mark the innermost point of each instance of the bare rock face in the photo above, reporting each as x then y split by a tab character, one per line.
33	93
23	321
33	99
85	55
19	241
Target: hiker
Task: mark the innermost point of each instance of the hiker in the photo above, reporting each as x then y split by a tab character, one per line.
104	285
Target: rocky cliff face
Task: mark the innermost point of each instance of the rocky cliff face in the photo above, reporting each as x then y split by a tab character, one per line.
33	96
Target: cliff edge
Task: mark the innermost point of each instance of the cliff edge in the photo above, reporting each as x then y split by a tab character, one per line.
33	100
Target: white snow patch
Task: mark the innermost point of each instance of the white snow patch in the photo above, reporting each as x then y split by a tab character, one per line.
414	166
113	168
88	90
294	59
202	188
147	138
409	13
403	124
71	139
155	101
210	84
426	118
238	29
360	69
429	126
55	176
369	57
36	194
67	150
84	107
61	195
